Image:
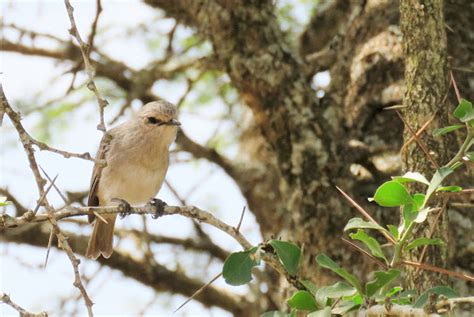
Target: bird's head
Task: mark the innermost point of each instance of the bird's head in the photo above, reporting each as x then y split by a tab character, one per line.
161	118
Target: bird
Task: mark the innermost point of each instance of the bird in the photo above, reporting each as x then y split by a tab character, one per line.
136	153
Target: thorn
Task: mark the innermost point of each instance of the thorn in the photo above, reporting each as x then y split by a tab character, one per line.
196	293
240	221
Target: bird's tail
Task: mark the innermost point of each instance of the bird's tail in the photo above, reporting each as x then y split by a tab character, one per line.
102	238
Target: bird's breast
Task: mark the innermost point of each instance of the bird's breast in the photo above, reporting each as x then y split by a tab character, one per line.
135	180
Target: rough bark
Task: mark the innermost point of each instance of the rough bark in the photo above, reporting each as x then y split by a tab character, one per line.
299	131
426	84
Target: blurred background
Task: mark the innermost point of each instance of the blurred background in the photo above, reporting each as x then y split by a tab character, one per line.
58	109
339	63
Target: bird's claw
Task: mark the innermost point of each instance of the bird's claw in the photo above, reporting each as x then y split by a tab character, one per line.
159	207
123	207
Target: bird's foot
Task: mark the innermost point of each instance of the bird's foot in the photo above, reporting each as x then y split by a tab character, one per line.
123	207
159	207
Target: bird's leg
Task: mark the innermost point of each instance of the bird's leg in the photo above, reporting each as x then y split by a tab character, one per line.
159	207
123	207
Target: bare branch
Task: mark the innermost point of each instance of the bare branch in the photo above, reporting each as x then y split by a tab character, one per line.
432	268
40	182
186	211
156	276
87	64
29	140
4	298
90	42
418	140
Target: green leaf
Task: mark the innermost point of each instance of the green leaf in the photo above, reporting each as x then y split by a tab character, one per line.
438	177
274	314
439	290
469	156
392	194
453	189
405	297
408	216
381	280
310	286
325	312
395	290
441	131
238	266
464	111
326	262
337	290
345	306
302	300
411	177
3	201
419	200
394	231
289	255
370	242
423	241
358	223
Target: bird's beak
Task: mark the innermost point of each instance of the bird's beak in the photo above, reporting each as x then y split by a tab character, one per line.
174	122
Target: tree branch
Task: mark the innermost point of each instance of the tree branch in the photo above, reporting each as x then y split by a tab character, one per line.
85	55
150	274
4	298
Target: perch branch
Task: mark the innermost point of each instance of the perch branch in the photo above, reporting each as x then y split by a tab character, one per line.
187	211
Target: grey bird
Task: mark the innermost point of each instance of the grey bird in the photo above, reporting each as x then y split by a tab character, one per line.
137	157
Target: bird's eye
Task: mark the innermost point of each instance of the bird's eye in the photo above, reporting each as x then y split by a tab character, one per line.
153	120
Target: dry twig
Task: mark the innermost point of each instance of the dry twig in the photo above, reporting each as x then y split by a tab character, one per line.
4	298
40	182
418	140
87	64
364	213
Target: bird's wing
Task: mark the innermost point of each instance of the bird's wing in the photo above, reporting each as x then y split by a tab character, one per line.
93	199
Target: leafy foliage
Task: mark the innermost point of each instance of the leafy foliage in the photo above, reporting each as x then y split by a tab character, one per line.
343	297
289	255
238	266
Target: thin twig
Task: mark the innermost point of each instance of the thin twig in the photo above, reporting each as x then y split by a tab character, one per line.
54	185
431	232
356	247
418	133
90	42
43	196
40	182
87	64
432	268
4	298
48	248
418	140
196	293
72	258
365	214
240	220
462	205
468	191
456	90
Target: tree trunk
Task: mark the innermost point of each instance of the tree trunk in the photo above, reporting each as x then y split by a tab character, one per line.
426	83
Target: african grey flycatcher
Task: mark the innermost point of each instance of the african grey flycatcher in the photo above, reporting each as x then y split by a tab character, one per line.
137	156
